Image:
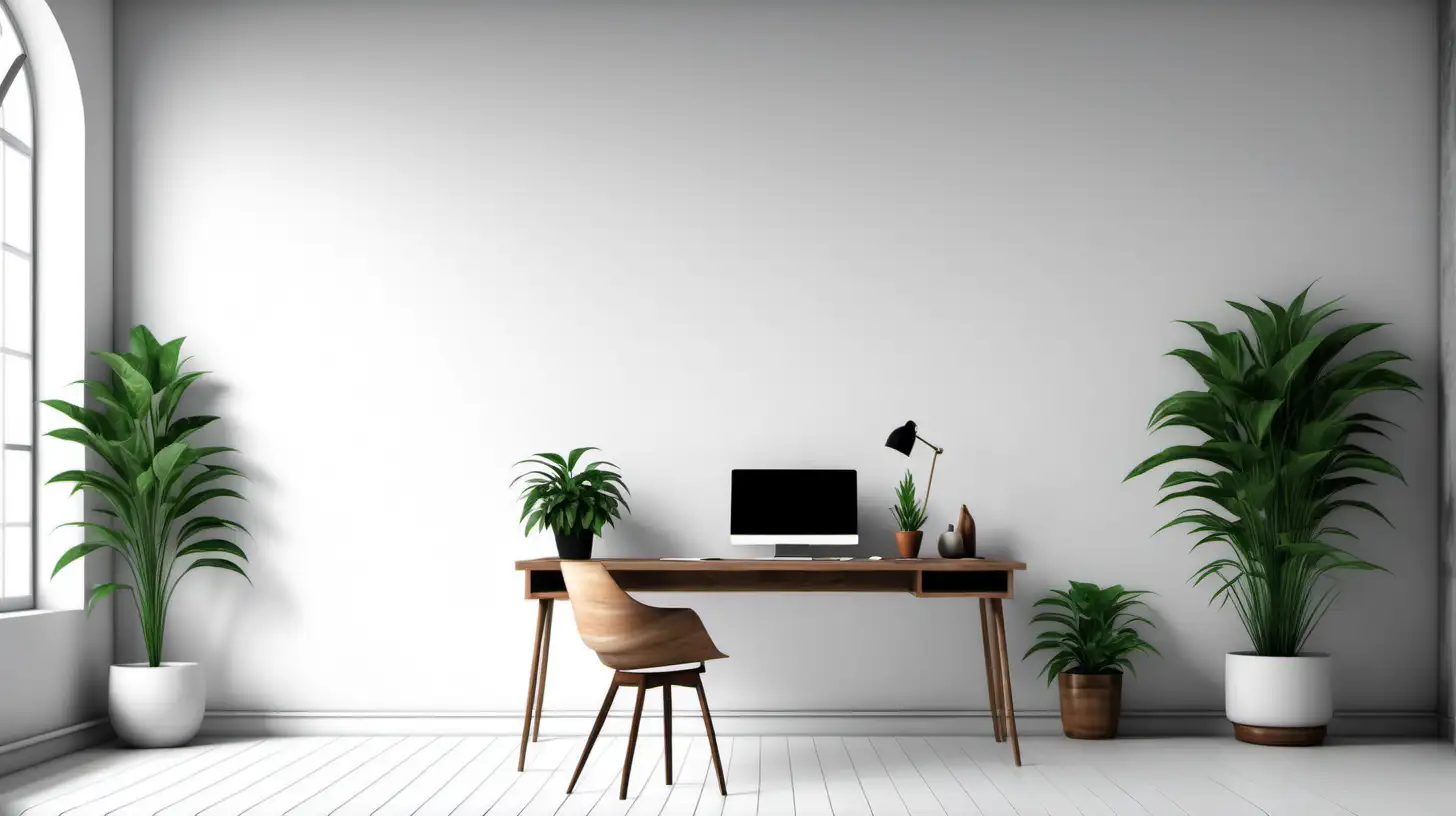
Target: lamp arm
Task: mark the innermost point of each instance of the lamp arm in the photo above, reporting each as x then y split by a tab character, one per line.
930	482
938	450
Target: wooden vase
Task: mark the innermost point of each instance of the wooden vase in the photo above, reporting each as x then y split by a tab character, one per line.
1091	704
908	543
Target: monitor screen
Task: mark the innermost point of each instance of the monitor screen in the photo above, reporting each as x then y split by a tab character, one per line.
794	507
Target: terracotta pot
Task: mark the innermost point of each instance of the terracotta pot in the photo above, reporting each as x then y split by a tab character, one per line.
1091	704
908	543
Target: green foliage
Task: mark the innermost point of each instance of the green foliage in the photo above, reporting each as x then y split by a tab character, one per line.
154	478
1277	411
909	513
1094	634
559	499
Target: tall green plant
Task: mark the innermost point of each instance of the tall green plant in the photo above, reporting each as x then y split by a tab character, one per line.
1278	414
156	488
909	513
1092	631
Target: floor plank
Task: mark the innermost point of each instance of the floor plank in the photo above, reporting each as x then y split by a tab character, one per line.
874	780
711	799
811	797
918	798
598	778
317	762
140	788
312	784
433	779
767	776
989	798
943	784
846	795
381	788
775	780
168	794
98	779
743	777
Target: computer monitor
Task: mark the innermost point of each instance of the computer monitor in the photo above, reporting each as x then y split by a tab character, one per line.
789	509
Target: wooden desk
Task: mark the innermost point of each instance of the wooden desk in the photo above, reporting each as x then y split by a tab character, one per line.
989	581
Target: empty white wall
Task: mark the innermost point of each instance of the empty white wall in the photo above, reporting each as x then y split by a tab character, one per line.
420	240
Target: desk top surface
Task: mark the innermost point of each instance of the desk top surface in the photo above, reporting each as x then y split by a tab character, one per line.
753	565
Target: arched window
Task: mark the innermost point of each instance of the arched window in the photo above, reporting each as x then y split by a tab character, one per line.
17	322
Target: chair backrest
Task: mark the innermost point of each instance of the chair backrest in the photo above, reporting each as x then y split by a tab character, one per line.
606	617
627	634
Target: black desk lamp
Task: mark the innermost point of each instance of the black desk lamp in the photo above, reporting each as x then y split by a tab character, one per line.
903	439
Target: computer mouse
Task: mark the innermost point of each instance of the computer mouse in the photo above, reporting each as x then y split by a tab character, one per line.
876	558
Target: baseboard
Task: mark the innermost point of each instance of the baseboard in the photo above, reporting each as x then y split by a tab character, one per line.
812	723
45	747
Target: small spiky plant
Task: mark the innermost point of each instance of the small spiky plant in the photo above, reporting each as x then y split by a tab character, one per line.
909	513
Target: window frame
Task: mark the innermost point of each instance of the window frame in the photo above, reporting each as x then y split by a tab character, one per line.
26	602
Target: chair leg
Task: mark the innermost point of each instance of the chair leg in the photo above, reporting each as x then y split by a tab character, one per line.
667	729
596	730
712	736
632	736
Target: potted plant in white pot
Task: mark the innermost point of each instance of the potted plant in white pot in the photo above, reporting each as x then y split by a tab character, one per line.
574	506
1278	414
157	490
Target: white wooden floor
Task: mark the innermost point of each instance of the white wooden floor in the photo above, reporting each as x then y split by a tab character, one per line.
767	776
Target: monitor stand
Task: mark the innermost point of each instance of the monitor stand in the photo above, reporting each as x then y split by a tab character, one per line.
795	550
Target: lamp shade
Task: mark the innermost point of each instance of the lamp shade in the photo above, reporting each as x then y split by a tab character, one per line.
902	438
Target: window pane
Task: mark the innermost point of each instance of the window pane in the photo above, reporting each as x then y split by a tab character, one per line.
15	113
18	569
9	43
17	199
17	487
18	400
17	303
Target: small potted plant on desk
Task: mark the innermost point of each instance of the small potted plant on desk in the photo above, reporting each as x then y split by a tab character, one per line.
574	506
1091	647
909	518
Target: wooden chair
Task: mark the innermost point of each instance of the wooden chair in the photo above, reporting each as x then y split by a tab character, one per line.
633	638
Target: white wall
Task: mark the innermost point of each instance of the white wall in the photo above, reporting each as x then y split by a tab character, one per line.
54	662
421	240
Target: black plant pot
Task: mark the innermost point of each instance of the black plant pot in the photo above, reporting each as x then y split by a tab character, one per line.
575	545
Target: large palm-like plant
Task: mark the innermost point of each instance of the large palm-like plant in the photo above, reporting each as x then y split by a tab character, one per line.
1278	414
157	480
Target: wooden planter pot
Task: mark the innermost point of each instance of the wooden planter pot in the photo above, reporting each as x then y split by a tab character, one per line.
1091	705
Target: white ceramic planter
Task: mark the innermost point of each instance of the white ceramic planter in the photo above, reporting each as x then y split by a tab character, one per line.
1279	700
157	707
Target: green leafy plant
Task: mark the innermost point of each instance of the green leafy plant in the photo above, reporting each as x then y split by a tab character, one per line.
557	498
1278	415
155	481
1094	633
909	513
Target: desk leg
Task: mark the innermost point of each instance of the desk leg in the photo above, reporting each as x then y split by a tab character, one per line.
993	673
545	660
1010	710
541	607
